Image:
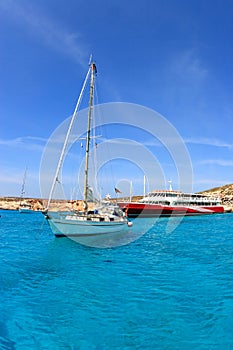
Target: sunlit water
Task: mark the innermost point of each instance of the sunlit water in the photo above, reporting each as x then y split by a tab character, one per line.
163	291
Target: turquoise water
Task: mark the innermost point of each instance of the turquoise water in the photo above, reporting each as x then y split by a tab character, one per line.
163	291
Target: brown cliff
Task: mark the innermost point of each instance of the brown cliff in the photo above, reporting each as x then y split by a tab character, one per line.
37	204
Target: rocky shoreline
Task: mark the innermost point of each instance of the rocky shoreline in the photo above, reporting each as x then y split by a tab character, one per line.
226	195
37	204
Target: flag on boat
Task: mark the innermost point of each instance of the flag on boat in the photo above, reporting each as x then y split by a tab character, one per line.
117	191
90	196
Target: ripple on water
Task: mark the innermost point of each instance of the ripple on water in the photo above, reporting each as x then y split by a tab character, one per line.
166	290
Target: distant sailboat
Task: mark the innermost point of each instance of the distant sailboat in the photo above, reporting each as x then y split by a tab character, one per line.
105	219
24	207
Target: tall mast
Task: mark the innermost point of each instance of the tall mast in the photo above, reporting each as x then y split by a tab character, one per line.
131	191
23	186
144	185
93	72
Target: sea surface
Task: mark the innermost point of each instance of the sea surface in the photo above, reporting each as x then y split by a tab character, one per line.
166	290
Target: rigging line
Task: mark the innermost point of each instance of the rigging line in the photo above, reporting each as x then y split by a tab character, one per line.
98	114
23	185
95	162
67	139
110	161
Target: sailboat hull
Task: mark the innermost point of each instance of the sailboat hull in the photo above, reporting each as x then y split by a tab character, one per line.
25	211
69	226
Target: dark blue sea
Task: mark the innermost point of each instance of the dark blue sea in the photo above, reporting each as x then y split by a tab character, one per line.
167	290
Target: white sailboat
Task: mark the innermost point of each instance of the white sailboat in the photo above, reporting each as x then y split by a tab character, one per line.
100	221
24	207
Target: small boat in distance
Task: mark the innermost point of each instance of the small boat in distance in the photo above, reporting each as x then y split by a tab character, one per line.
24	207
160	203
101	220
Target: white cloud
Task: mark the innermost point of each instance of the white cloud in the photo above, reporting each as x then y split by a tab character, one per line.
220	162
208	141
187	66
28	142
50	31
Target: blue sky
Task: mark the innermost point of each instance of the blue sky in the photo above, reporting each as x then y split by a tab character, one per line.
173	56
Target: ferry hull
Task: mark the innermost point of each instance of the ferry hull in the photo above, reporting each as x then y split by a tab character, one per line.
155	210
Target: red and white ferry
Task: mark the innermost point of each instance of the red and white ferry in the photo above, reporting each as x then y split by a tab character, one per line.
172	203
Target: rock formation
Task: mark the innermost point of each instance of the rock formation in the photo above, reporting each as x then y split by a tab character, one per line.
13	203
